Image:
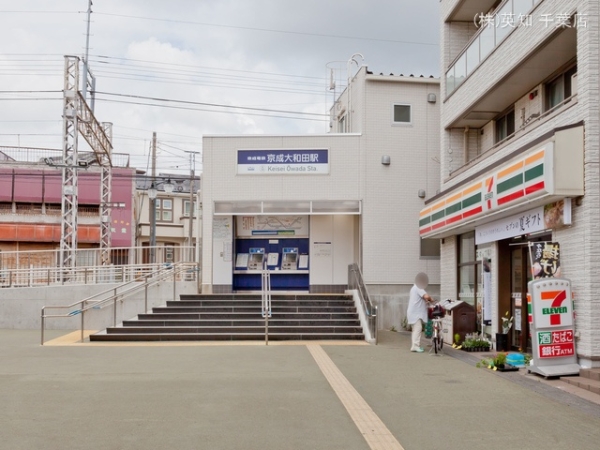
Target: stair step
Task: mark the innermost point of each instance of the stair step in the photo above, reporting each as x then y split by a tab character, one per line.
257	303
238	323
250	309
584	383
247	315
226	337
593	374
274	296
237	329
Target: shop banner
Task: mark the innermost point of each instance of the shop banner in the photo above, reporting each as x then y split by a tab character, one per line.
551	216
283	162
545	259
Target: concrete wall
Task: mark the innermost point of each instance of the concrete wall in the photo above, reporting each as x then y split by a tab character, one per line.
20	308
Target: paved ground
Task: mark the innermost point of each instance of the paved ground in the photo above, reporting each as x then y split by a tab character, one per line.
276	397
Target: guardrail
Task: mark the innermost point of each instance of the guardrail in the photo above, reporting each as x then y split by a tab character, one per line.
110	297
356	282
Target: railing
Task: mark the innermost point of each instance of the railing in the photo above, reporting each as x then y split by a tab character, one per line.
356	282
36	277
17	155
89	257
266	310
487	38
111	297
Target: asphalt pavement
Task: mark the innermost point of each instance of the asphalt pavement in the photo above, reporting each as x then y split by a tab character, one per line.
276	397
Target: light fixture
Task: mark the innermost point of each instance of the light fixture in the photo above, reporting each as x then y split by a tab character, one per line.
386	160
421	193
152	192
168	186
431	98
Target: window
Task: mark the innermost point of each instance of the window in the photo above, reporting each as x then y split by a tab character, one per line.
164	210
505	125
560	88
402	114
186	209
430	249
467	269
342	124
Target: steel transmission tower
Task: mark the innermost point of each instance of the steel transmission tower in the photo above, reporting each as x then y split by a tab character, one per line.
79	118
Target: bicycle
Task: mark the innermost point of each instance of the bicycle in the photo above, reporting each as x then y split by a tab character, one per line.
436	314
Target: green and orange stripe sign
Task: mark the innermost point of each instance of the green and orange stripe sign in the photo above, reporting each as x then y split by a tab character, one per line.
512	183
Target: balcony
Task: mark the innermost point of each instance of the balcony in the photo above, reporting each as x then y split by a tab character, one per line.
466	10
494	93
508	16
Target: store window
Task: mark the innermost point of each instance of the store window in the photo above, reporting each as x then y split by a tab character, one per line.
430	249
467	269
164	210
561	88
402	114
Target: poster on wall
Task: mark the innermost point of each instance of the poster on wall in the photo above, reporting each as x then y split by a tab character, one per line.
296	226
545	259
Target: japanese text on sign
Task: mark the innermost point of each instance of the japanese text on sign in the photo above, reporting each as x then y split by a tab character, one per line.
556	344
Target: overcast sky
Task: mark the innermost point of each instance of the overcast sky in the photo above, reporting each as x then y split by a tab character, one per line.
265	55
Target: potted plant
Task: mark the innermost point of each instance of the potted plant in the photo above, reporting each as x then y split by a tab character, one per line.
498	362
502	338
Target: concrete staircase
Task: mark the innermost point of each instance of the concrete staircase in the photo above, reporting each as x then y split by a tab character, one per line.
232	317
588	379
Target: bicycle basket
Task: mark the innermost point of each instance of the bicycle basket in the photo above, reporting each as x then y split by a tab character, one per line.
436	312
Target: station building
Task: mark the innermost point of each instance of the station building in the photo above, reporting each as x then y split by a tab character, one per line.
520	159
309	206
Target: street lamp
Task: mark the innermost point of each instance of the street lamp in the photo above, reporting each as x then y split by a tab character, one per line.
152	193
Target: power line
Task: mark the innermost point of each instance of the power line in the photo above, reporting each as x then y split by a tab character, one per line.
266	30
218	105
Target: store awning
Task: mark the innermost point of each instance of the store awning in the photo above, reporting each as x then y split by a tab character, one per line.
544	173
285	207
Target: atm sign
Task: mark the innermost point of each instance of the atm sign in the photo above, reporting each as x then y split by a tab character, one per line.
556	344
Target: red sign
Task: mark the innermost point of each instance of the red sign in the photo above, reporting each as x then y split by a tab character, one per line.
556	344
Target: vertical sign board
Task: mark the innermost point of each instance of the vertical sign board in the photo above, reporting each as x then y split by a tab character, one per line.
550	308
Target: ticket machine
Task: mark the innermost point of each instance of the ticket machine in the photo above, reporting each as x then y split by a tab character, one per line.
257	258
290	258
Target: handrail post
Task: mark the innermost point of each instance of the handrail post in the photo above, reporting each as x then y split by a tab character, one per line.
174	283
82	314
146	294
115	308
43	319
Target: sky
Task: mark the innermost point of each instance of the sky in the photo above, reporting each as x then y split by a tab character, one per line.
188	68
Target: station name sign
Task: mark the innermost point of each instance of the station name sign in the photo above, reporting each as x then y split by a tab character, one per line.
283	162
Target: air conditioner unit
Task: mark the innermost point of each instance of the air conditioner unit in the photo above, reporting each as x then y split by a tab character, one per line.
574	84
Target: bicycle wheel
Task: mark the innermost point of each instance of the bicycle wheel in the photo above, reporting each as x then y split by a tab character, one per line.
441	343
435	344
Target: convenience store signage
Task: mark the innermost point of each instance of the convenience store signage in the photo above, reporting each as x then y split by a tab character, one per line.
556	344
283	162
514	183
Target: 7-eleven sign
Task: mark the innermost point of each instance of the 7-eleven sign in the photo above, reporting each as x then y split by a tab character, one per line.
552	305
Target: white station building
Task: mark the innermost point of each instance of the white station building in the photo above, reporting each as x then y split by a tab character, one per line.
309	206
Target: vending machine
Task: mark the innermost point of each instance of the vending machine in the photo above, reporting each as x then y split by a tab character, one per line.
290	258
257	258
550	308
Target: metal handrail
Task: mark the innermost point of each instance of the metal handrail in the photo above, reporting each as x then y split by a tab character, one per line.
356	282
266	300
96	302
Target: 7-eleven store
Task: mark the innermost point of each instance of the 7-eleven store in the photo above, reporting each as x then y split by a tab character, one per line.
487	219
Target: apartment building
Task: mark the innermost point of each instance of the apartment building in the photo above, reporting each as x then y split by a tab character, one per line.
336	199
519	159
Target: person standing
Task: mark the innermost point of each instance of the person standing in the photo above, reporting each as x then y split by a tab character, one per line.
417	310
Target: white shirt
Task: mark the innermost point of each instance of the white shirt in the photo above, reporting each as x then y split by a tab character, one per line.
417	306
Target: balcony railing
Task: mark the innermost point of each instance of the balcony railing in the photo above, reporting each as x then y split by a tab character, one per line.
509	15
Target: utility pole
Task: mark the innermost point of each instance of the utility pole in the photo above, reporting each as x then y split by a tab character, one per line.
192	208
153	204
87	55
